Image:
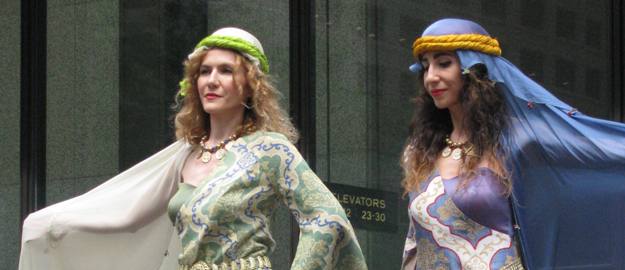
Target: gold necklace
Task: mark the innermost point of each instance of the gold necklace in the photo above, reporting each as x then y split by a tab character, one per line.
218	150
456	150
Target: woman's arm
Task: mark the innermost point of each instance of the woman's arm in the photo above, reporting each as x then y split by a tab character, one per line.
125	215
327	239
410	250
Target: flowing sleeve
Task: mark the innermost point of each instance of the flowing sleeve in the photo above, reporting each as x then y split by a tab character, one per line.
327	239
121	224
410	246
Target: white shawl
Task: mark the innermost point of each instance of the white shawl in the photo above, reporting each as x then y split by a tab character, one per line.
121	224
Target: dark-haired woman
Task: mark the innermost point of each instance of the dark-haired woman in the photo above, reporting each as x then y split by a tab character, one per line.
493	161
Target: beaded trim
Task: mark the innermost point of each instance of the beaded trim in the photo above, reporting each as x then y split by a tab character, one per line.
476	42
516	265
250	263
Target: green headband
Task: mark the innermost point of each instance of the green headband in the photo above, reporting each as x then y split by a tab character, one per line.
237	44
248	49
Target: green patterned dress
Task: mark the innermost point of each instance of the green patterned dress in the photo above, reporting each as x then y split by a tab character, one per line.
225	220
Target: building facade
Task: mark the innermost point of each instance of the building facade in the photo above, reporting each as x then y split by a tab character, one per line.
95	97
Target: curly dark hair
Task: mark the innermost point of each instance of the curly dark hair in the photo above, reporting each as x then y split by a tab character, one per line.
485	120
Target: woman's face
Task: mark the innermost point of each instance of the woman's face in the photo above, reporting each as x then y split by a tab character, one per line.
218	83
442	78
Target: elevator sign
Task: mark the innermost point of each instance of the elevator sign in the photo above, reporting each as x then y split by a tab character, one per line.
368	209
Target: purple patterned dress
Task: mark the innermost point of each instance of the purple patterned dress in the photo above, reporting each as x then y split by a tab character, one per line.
461	228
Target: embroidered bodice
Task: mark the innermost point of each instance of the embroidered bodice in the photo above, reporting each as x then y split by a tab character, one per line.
227	217
461	227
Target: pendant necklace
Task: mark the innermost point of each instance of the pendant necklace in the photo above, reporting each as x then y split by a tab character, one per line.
218	151
456	150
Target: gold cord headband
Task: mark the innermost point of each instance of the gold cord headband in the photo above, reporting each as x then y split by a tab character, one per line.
476	42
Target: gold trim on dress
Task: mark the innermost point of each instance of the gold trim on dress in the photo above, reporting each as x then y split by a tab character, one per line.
515	265
250	263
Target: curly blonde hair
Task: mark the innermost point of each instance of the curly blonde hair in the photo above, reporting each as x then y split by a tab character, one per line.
192	122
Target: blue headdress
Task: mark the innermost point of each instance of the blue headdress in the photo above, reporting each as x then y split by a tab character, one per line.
568	169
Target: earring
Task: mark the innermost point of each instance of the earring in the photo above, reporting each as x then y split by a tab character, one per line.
246	106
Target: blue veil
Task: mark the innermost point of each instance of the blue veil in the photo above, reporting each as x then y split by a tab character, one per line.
568	169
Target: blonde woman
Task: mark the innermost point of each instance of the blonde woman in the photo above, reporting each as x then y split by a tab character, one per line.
233	165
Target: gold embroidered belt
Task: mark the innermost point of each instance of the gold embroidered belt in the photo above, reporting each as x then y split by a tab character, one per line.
251	263
516	265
